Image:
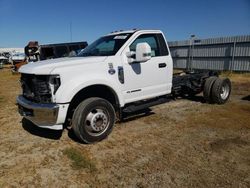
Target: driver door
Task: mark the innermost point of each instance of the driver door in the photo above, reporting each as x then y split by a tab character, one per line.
143	80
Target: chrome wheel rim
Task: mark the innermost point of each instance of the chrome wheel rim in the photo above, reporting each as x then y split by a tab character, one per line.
97	122
224	91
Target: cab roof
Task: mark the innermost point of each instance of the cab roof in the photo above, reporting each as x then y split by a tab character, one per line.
131	31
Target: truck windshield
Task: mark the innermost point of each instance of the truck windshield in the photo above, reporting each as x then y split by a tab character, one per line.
105	46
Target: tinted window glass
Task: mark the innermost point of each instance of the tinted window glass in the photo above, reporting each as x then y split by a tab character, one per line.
61	51
47	53
163	45
74	47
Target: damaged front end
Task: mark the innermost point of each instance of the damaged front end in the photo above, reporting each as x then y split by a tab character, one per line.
39	88
37	102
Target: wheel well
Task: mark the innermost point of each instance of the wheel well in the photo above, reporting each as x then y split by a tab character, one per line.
101	91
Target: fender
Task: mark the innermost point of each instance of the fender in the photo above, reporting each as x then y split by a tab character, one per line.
67	91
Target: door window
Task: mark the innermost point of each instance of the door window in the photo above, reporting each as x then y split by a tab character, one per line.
151	40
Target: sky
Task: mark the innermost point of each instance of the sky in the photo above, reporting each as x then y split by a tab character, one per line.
48	21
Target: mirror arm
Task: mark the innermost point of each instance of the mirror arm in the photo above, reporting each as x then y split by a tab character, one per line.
131	56
131	60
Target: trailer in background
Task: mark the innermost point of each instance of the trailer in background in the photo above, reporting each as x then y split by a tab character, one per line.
35	52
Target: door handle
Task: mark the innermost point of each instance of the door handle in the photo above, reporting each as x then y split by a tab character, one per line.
162	65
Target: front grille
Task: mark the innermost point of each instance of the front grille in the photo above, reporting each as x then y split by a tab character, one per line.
36	88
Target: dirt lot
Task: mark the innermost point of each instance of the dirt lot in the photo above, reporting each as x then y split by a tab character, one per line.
184	143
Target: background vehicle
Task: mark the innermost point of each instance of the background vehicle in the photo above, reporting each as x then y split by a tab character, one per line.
17	60
119	73
3	60
36	52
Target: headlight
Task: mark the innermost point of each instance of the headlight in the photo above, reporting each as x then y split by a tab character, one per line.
55	83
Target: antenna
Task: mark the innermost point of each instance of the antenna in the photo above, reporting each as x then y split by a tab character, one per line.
70	28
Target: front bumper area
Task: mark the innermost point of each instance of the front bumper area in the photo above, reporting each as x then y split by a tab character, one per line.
43	115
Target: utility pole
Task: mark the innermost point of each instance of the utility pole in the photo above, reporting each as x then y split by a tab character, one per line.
191	51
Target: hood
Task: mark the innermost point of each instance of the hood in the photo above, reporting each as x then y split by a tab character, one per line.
47	66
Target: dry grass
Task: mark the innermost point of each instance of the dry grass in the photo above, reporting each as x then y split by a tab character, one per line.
178	144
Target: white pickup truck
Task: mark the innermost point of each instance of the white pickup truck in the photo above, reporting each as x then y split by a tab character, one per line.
119	73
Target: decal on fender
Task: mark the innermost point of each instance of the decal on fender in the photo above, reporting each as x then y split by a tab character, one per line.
111	69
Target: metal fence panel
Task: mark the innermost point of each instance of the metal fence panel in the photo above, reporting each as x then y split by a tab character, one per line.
224	53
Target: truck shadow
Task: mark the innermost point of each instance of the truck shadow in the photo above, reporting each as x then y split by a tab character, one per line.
246	98
73	137
41	132
195	98
136	115
148	112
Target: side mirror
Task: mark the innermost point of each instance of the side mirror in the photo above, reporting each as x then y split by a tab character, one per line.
142	53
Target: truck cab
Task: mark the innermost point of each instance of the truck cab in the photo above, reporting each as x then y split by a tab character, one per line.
135	77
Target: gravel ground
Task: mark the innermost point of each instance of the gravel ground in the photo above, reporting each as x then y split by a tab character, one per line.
183	143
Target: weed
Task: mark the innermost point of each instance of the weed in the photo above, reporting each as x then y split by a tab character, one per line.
79	160
1	99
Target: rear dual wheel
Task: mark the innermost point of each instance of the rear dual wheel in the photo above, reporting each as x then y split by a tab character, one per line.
207	91
221	90
217	90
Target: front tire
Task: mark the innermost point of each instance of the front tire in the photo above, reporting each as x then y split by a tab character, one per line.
93	120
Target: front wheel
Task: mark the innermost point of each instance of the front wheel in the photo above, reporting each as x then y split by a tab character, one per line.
93	120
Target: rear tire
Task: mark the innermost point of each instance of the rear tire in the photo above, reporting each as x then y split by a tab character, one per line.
221	90
93	120
207	91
